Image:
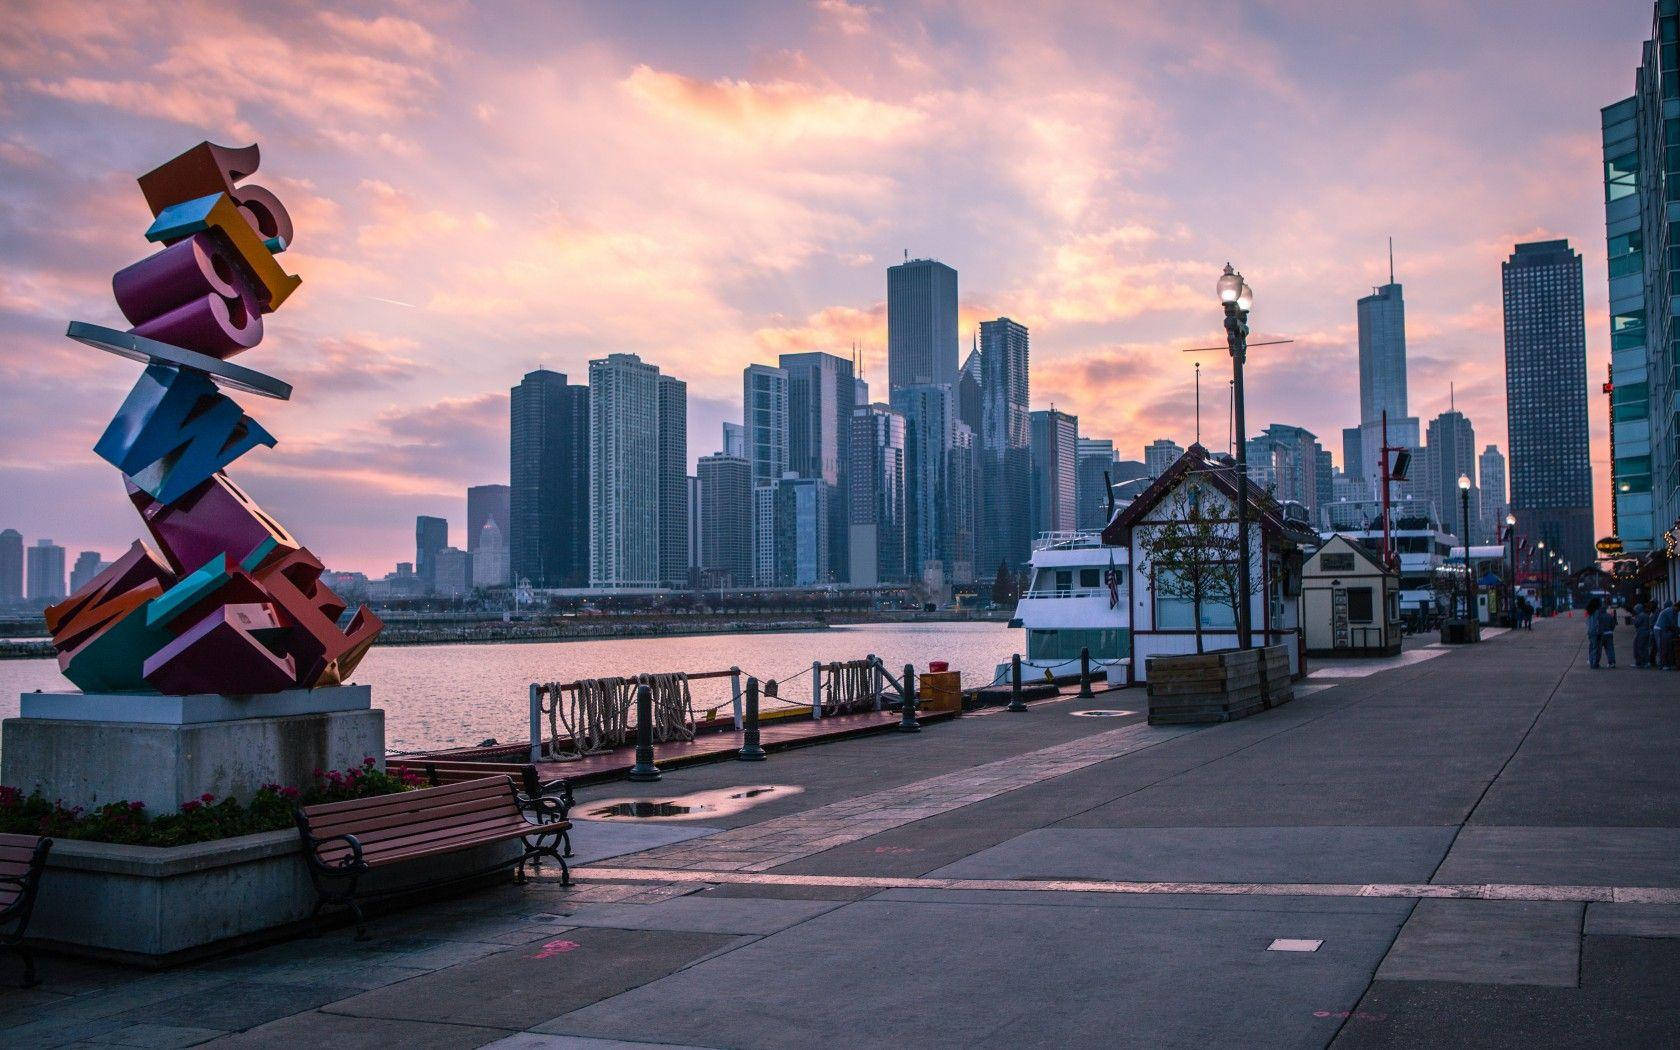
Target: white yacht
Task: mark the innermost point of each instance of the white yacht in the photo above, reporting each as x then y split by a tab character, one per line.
1079	597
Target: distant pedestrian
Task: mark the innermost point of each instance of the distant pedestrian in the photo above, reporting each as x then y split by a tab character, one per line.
1593	650
1662	632
1528	614
1605	617
1642	618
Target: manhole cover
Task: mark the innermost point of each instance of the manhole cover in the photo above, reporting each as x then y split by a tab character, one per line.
1102	712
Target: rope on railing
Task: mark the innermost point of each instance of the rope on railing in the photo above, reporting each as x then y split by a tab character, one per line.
673	707
848	686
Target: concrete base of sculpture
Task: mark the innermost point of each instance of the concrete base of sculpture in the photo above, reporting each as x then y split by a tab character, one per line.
173	749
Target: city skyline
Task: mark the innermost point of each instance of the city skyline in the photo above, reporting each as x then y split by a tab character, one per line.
827	130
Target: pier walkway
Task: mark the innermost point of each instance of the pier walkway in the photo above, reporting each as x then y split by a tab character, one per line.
1474	846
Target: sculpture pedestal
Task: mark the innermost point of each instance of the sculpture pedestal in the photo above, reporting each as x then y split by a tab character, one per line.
89	750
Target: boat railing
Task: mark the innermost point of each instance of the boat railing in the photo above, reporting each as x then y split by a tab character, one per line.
1082	592
1067	540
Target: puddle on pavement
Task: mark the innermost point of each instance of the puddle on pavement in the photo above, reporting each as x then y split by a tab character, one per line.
1102	713
697	806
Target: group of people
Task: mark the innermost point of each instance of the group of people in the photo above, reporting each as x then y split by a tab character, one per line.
1656	635
1522	614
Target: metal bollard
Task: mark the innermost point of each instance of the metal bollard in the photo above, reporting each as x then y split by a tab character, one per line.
907	723
644	771
750	750
816	690
1085	692
1015	701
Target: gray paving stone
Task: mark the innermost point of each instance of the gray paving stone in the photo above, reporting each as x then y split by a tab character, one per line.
1286	854
1633	920
521	988
1565	856
335	1032
158	1036
238	1005
702	915
1488	942
1030	976
594	840
538	1041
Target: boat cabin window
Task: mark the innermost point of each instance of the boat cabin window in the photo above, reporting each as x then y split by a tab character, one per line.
1064	580
1090	579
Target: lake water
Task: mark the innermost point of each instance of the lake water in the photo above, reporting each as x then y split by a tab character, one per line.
455	695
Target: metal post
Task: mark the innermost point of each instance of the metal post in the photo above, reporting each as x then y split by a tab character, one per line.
1015	701
1236	330
1469	573
644	771
735	695
536	723
816	690
750	750
875	677
1085	692
907	722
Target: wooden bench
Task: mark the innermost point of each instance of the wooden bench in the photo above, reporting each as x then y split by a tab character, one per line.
440	771
342	841
22	860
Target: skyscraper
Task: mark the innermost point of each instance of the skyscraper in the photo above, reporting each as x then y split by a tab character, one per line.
673	482
1546	398
1494	503
1641	181
1096	456
821	390
734	440
764	408
1160	454
696	516
1450	454
430	536
11	566
927	412
548	498
626	466
1382	379
1290	455
921	324
876	535
726	521
46	571
489	505
86	568
1005	448
801	520
1055	450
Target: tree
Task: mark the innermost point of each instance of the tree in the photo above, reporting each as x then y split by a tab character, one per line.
1193	553
1004	589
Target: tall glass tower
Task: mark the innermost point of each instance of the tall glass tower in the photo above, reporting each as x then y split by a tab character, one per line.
1005	451
921	324
548	533
1546	398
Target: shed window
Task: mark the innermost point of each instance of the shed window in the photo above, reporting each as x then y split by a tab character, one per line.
1359	605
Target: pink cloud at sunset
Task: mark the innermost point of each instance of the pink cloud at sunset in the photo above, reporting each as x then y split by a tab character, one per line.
480	190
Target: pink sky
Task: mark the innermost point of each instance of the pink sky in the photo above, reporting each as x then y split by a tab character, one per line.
709	185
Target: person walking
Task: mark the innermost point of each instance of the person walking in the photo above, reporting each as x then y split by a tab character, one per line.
1642	635
1606	617
1662	635
1595	643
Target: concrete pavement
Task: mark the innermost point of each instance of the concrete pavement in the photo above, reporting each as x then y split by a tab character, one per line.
1483	842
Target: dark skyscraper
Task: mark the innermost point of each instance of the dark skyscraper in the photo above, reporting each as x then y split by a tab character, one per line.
921	324
1005	448
821	394
430	536
1546	399
726	524
11	566
877	529
549	470
673	481
1451	453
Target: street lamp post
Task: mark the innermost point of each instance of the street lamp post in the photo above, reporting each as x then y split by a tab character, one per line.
1469	573
1237	298
1545	575
1511	568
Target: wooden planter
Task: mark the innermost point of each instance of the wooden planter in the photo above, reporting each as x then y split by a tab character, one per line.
1217	687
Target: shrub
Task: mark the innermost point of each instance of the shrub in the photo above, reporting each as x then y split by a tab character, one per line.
199	820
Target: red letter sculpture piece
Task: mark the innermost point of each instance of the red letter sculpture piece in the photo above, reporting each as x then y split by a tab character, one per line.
238	607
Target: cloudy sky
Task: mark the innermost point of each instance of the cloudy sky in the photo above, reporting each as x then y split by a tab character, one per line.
482	189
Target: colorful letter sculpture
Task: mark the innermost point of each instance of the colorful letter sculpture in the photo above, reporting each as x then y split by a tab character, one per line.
232	604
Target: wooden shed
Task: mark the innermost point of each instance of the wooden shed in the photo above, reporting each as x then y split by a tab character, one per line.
1351	603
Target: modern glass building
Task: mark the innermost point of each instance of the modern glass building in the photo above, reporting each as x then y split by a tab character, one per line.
625	473
673	482
726	523
1096	457
764	408
929	412
921	324
801	525
1450	454
430	536
876	531
1005	449
821	395
1055	471
1491	465
1641	137
548	494
11	566
1546	399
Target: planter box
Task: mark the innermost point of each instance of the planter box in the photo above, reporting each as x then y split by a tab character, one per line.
1217	687
161	905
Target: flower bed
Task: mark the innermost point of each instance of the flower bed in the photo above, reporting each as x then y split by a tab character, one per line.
201	820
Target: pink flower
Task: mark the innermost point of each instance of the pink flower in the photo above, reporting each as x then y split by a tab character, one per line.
207	798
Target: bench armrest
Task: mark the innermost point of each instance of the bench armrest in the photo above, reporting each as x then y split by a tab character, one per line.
546	809
312	846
